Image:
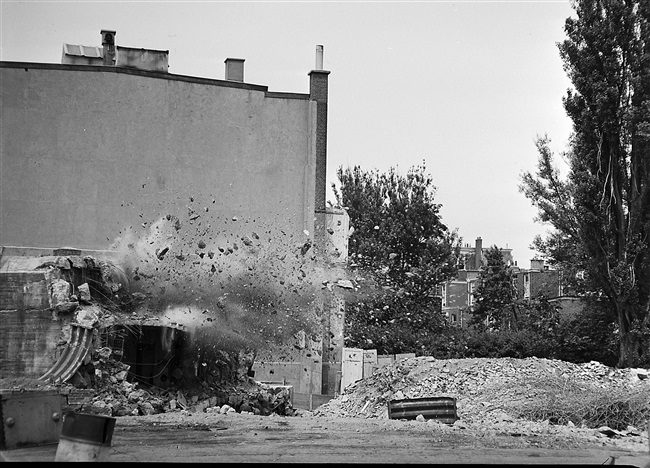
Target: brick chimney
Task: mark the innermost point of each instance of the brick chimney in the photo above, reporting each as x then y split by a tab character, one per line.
318	91
234	69
478	253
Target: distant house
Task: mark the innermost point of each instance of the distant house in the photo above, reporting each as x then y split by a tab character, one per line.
458	294
541	280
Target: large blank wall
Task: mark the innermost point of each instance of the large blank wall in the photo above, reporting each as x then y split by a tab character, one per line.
89	154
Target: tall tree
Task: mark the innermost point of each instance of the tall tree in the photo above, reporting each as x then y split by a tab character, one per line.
601	211
495	294
398	240
398	233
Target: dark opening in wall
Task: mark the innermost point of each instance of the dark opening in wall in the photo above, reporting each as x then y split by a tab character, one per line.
155	354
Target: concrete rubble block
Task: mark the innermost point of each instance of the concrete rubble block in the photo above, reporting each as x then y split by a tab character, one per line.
66	307
84	293
63	263
227	409
88	316
60	291
77	262
147	408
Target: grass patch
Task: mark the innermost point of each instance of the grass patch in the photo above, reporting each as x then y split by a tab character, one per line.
561	401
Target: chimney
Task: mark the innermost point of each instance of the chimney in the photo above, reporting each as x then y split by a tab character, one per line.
318	92
478	253
537	264
108	44
234	69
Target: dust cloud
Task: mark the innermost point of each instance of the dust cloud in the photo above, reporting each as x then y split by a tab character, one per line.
230	280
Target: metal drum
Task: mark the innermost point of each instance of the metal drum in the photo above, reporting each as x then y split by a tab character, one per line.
85	437
442	409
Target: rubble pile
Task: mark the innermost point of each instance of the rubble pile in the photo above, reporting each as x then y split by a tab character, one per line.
100	386
485	389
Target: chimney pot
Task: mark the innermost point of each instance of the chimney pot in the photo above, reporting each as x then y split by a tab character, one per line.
108	45
319	57
234	69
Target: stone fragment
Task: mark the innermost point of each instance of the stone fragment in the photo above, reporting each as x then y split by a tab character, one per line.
60	291
84	292
226	409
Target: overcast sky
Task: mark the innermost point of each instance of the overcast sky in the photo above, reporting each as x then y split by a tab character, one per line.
463	86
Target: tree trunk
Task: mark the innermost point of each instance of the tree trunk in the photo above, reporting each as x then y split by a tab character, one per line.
629	343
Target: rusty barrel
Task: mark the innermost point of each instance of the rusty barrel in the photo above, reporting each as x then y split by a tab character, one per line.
85	437
442	409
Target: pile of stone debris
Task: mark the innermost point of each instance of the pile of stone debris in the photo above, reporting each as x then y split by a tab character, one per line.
101	386
112	394
493	392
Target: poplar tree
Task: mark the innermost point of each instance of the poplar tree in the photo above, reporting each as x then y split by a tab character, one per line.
600	212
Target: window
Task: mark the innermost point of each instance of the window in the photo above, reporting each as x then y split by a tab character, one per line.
441	292
527	286
470	292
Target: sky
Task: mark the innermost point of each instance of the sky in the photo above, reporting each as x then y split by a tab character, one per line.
463	87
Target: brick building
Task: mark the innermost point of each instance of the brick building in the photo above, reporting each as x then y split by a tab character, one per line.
458	294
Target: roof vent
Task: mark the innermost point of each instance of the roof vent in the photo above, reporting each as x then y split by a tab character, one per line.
234	69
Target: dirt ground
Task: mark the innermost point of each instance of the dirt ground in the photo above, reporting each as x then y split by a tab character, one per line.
356	428
307	438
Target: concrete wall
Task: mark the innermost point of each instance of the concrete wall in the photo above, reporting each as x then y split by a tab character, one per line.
28	342
89	152
226	178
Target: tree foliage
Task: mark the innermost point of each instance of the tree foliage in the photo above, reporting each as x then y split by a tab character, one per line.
495	294
600	212
399	240
398	233
393	323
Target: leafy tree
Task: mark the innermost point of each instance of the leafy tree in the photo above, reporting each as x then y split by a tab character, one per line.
400	241
600	212
495	294
393	323
589	336
398	233
539	315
